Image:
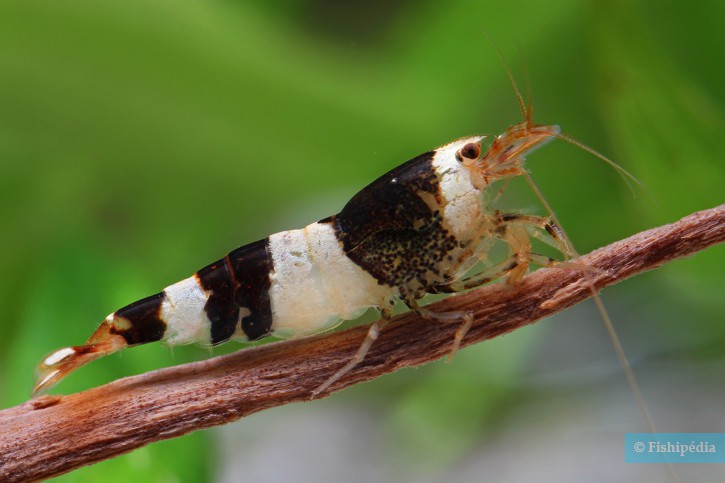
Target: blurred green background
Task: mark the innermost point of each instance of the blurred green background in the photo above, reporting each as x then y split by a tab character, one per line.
141	140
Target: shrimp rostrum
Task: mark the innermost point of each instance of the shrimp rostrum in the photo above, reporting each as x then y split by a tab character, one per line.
416	230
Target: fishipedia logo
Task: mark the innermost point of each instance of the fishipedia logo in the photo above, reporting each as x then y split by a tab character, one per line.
674	448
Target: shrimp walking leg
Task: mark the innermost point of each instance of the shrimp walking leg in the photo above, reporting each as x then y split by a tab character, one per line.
465	318
512	231
386	314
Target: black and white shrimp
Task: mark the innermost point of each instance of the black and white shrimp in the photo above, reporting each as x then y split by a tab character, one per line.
416	230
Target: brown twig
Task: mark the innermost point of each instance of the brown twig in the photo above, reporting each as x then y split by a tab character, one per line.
55	434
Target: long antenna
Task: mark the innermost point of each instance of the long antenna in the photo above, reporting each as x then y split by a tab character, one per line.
528	115
626	175
519	97
609	326
602	311
527	111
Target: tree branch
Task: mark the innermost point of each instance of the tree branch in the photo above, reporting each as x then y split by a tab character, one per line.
56	434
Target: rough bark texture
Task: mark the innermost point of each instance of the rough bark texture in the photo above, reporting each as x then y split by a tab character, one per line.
55	434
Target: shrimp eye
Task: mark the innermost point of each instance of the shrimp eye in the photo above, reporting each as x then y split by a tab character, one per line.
469	152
